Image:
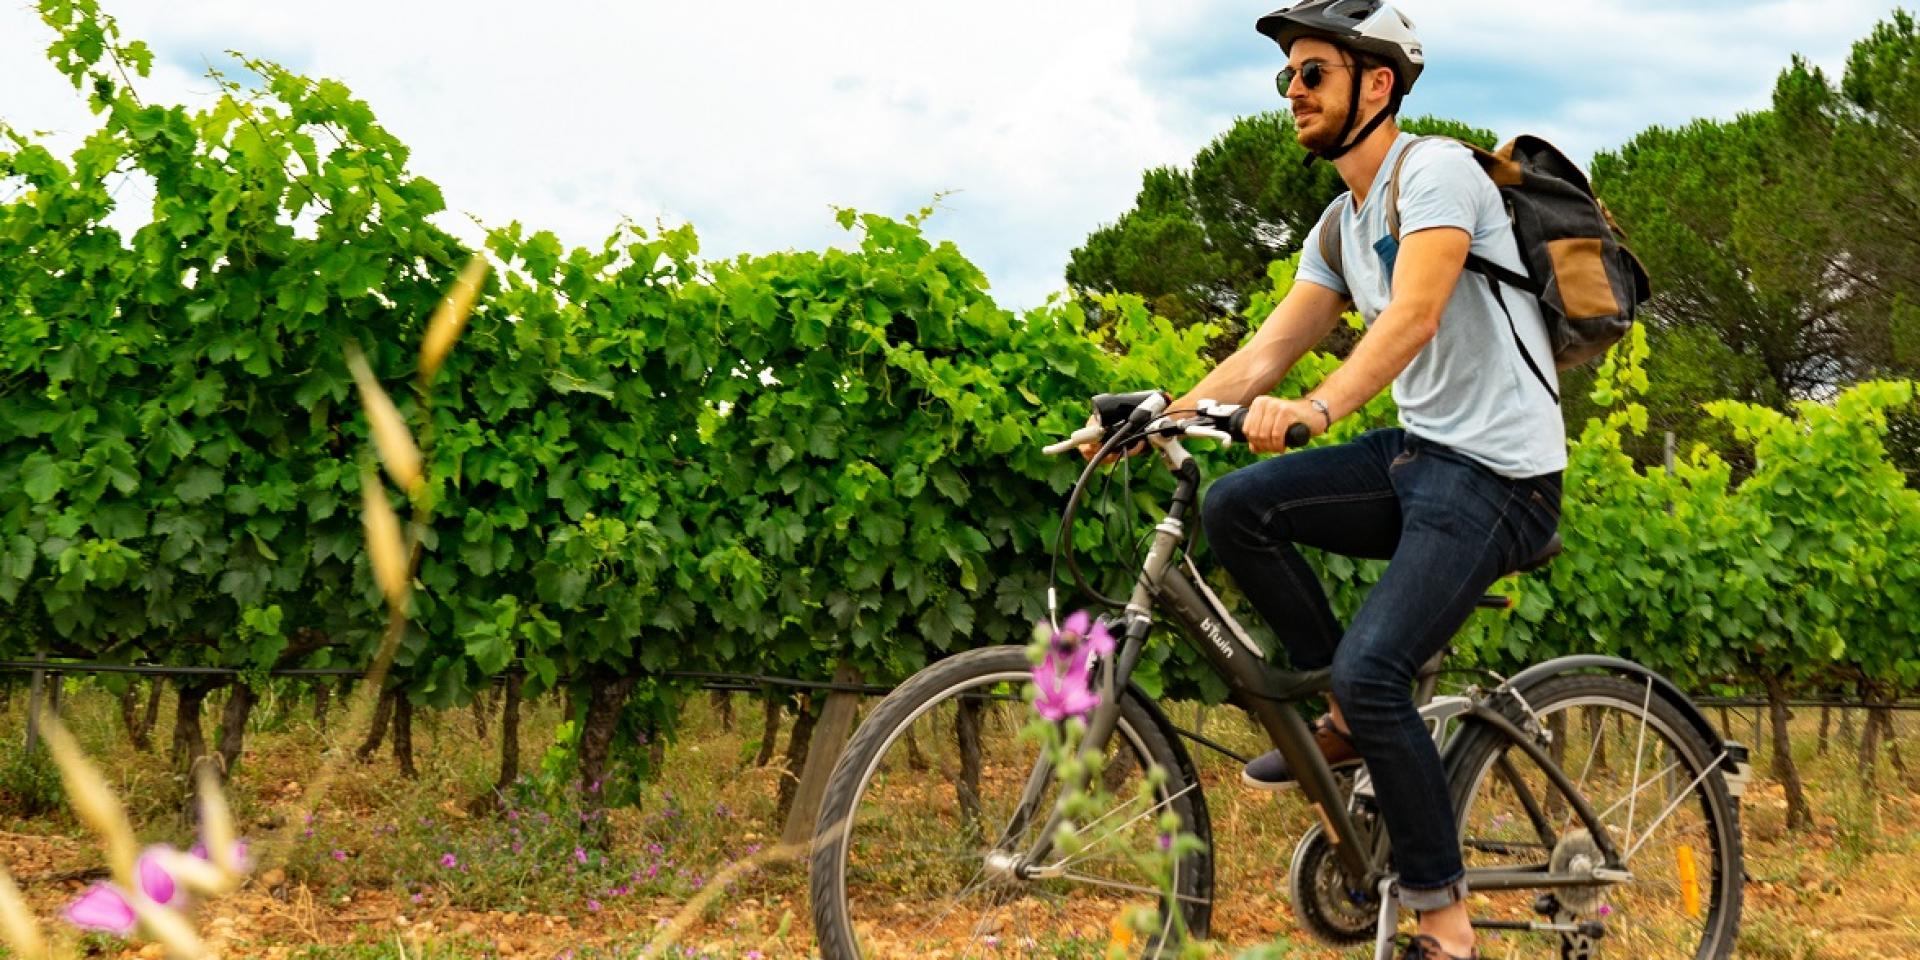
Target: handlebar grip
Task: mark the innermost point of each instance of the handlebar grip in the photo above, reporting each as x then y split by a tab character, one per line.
1297	435
1236	425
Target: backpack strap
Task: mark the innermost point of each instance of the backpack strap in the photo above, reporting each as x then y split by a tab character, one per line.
1494	285
1330	239
1393	185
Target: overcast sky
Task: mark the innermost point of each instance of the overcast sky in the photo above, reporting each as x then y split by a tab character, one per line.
753	119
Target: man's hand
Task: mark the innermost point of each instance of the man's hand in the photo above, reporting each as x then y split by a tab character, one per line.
1269	417
1088	450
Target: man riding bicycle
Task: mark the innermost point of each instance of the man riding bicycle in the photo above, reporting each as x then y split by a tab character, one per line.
1466	490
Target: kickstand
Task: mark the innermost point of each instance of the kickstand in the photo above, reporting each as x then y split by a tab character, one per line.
1389	924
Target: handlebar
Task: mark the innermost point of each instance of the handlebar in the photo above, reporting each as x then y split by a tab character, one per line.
1136	412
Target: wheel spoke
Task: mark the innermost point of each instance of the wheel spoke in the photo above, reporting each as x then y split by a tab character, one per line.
1675	804
1088	878
1130	822
1593	750
1638	746
1608	812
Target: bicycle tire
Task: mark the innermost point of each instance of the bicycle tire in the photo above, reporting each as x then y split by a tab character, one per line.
1141	726
1710	818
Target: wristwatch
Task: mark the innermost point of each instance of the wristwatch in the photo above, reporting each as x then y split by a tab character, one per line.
1324	412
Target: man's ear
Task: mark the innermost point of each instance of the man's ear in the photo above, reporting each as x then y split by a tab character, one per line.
1375	83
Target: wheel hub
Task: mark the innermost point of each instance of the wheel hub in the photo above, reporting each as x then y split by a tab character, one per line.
1577	854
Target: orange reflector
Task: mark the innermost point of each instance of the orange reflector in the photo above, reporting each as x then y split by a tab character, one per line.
1689	881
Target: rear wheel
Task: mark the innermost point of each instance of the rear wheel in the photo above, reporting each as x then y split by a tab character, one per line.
929	792
1655	785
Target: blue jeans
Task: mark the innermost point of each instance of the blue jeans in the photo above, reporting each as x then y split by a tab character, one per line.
1450	528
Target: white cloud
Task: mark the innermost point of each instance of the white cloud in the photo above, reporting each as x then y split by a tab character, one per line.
751	119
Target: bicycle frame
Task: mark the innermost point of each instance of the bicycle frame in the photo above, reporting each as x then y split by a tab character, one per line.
1270	694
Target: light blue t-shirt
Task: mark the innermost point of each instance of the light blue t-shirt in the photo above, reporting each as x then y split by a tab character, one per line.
1468	388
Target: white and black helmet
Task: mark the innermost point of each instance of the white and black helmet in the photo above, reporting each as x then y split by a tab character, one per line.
1366	26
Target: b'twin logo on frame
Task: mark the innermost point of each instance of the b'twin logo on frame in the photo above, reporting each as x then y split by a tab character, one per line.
1211	628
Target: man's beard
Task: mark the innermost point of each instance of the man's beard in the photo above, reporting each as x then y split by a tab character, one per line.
1326	130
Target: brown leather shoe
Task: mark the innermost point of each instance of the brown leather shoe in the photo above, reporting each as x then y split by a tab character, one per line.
1424	947
1269	771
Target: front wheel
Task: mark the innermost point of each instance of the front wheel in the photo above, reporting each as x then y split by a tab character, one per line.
917	848
1654	783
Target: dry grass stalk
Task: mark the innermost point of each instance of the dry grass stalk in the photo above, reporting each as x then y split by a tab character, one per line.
167	926
17	925
93	800
390	435
691	912
451	318
385	548
216	828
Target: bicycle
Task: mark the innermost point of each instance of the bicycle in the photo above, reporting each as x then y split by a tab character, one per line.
1544	858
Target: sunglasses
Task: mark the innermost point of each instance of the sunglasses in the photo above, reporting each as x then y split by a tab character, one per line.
1310	73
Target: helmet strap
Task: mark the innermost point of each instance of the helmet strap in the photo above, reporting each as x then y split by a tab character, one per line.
1353	112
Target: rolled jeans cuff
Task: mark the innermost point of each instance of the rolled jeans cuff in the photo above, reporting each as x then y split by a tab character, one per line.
1438	898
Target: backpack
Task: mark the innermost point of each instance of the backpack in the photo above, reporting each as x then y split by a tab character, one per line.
1588	283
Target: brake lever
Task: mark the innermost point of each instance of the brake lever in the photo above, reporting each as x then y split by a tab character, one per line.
1079	438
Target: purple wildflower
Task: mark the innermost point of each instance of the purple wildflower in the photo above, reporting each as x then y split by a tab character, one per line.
449	861
340	856
579	855
104	908
1061	677
593	906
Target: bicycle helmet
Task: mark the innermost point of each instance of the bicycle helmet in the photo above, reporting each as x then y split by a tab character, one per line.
1367	27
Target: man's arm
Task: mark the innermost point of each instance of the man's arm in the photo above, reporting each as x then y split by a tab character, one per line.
1303	317
1427	270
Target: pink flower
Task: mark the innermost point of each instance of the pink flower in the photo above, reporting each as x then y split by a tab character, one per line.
155	881
104	908
593	906
1061	678
340	856
579	855
449	861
